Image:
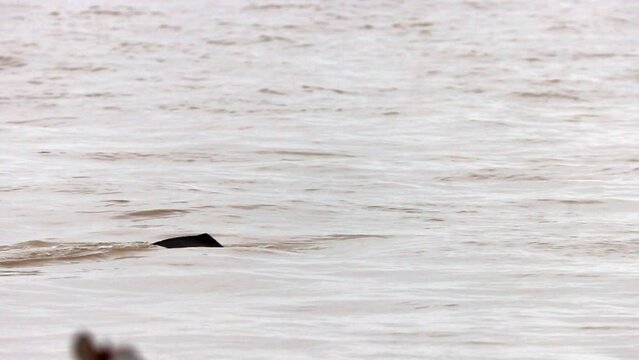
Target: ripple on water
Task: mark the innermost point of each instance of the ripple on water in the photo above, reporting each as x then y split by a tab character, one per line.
37	252
154	213
11	62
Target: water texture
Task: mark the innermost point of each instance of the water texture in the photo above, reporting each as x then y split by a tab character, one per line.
392	179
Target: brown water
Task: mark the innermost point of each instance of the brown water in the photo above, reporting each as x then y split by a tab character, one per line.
414	179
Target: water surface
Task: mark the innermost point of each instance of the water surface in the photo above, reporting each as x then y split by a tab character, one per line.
392	179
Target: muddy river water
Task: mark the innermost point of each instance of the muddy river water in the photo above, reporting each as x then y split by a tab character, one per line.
391	179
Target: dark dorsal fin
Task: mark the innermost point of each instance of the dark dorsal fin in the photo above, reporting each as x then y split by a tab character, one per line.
202	240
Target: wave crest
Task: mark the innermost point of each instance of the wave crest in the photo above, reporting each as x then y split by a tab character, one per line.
37	252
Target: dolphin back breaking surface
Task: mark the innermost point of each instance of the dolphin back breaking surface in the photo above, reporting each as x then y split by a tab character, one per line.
202	240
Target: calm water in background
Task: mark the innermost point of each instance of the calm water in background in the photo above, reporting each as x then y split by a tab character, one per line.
413	179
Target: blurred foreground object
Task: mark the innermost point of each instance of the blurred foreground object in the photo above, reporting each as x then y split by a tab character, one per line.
85	349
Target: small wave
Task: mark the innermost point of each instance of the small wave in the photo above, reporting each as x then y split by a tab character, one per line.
120	11
603	248
579	56
271	91
422	24
254	206
221	42
303	153
174	157
155	213
114	202
300	244
350	237
406	210
310	88
4	273
118	156
102	95
84	68
495	177
170	27
546	95
573	201
38	252
271	38
477	5
45	121
10	61
280	7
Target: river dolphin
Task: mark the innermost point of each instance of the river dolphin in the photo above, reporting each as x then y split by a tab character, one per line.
202	240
